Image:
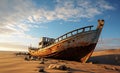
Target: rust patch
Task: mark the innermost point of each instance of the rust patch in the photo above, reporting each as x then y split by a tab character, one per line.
74	53
78	46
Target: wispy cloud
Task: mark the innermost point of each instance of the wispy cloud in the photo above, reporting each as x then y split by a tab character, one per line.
18	16
21	14
12	13
71	10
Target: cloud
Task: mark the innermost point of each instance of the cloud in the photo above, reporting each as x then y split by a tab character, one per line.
71	10
12	16
24	13
6	30
20	16
23	27
12	13
105	5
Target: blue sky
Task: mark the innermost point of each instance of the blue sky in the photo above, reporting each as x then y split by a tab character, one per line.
23	22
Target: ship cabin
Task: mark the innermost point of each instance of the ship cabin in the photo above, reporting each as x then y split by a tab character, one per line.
45	41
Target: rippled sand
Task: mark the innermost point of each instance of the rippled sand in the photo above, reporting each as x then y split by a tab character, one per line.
103	62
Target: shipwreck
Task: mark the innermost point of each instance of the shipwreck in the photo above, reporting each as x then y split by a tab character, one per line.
78	44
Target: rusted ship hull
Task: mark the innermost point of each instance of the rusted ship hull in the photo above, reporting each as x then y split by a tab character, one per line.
77	47
78	54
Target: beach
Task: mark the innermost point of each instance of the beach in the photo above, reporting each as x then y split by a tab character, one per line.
106	61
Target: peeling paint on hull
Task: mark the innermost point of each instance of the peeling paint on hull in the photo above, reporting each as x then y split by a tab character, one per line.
77	47
75	53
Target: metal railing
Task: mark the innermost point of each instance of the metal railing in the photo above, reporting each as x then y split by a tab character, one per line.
71	33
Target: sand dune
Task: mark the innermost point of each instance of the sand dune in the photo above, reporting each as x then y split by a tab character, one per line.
104	61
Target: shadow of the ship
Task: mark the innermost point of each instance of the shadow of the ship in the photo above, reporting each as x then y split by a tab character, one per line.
113	59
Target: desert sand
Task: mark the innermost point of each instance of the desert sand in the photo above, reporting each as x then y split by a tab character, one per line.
100	62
